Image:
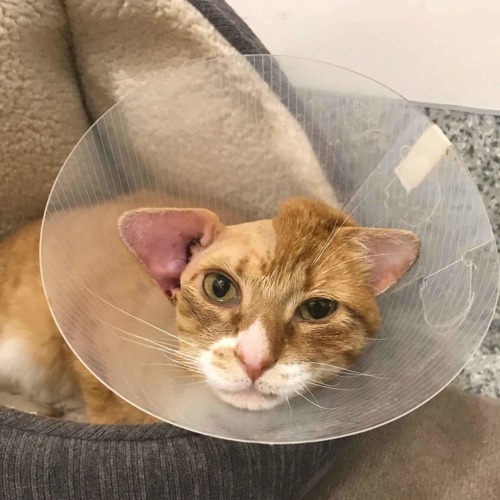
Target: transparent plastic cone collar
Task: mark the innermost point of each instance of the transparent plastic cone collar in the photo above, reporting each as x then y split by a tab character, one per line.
244	134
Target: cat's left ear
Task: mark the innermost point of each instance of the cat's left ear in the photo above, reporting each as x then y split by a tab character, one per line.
164	239
390	252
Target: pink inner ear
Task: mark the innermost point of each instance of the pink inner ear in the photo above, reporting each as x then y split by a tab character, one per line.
162	240
391	253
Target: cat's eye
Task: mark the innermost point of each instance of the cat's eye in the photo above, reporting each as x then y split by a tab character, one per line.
317	309
220	288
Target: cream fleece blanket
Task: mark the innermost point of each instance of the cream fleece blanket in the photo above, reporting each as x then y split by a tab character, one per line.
41	112
64	66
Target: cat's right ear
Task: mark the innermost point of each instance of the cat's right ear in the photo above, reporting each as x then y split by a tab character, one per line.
163	240
390	253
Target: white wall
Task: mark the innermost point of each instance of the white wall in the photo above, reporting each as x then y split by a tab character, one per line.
431	51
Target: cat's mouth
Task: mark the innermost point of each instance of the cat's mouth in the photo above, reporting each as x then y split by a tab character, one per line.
250	398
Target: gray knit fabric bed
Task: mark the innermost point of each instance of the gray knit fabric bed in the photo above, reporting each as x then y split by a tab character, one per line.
49	458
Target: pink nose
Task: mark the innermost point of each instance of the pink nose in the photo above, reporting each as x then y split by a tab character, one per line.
254	366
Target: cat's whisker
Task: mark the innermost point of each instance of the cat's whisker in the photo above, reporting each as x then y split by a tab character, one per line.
346	370
287	399
191	368
137	318
350	375
181	358
191	375
312	402
337	250
160	364
185	357
153	342
142	344
180	354
304	386
197	382
182	361
183	364
335	231
330	387
344	262
175	357
188	366
174	364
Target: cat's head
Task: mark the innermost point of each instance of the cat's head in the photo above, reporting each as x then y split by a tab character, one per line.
270	308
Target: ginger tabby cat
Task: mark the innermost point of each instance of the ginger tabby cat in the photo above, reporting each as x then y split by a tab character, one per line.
266	308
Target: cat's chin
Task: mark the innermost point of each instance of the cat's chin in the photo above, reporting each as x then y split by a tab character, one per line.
250	399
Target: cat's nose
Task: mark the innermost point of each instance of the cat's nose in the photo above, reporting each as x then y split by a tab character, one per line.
254	366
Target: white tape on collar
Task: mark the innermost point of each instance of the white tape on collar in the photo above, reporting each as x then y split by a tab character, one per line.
425	154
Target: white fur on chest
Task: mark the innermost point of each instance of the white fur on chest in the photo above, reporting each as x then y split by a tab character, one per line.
21	374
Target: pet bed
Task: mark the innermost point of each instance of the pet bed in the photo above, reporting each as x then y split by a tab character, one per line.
66	64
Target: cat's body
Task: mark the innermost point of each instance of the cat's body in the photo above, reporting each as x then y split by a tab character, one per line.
245	297
35	360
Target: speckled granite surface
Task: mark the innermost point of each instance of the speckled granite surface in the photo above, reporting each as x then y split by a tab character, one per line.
477	139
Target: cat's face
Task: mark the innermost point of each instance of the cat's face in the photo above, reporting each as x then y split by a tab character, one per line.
272	308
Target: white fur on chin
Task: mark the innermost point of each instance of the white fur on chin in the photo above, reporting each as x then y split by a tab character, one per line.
250	399
232	385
